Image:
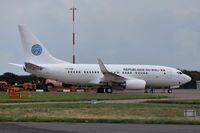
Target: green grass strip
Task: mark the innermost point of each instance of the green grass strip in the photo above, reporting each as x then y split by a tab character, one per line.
106	113
59	96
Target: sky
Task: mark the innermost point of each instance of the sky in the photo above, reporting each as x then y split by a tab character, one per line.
155	32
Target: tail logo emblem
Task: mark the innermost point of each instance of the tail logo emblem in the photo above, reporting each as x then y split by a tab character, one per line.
36	50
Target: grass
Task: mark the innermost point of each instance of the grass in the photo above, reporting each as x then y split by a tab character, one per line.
154	112
175	101
115	113
55	96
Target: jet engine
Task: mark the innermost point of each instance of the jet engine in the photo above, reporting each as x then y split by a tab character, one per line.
135	84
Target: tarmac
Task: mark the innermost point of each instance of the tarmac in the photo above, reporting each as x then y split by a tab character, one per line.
176	93
33	127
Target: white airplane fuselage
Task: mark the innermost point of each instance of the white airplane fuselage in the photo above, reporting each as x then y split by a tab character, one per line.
90	74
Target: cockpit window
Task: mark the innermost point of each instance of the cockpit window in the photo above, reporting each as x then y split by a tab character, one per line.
180	73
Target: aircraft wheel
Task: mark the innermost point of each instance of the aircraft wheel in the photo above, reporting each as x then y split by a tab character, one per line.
109	90
170	91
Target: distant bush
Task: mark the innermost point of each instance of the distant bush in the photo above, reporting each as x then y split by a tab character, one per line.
12	78
195	75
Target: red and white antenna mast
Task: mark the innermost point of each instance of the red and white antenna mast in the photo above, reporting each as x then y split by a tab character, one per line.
73	34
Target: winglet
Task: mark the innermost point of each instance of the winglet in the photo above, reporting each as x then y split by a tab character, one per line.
109	76
102	66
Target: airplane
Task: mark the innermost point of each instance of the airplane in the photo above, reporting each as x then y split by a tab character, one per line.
105	77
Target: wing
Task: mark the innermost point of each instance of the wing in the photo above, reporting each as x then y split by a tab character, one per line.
109	76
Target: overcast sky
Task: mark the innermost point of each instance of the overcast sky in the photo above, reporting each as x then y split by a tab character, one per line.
156	32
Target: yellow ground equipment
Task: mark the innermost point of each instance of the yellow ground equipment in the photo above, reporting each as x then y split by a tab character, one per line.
26	86
29	86
20	95
12	94
15	95
4	86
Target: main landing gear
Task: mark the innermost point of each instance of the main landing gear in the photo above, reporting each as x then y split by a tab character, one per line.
152	90
104	90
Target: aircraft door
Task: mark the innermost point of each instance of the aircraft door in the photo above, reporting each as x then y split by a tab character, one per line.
168	76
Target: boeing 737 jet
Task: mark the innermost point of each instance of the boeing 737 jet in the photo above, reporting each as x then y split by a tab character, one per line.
105	77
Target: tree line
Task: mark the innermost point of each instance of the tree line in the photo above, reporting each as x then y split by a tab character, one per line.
195	75
13	78
20	79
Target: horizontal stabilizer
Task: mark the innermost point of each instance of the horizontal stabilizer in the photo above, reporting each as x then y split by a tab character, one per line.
14	64
31	66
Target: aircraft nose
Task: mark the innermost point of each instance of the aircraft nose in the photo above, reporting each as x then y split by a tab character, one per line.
187	78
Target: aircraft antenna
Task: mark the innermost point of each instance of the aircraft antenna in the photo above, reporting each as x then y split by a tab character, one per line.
73	9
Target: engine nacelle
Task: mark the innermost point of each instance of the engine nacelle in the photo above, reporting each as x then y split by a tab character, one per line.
135	84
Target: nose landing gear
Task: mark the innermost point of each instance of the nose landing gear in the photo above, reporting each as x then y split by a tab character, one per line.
169	91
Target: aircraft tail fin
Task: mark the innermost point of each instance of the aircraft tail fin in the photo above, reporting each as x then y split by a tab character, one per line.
34	50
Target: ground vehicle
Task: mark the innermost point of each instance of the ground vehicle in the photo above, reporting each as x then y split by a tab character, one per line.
49	83
4	86
29	86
